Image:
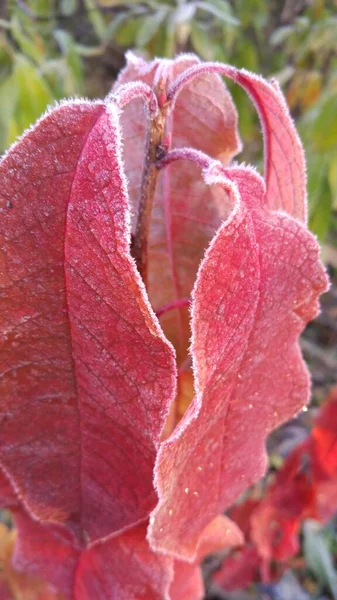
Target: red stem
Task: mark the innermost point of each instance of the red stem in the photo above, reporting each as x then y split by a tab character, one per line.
198	157
172	305
187	76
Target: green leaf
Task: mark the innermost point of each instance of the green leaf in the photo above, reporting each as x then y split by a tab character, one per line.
170	39
280	35
245	10
72	63
32	48
202	43
96	18
127	32
223	14
246	55
318	557
114	25
320	218
332	178
13	131
68	7
317	168
34	94
43	8
324	127
88	51
8	100
157	46
5	24
150	25
184	13
64	40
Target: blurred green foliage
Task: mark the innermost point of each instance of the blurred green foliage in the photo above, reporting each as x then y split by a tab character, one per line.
51	49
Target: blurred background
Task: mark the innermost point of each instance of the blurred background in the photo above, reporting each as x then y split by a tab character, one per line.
51	49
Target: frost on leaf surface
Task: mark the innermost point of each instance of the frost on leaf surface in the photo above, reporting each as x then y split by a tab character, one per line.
74	321
256	289
285	174
186	213
89	375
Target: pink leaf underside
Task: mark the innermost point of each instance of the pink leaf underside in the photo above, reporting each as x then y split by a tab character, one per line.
75	321
285	172
186	213
256	289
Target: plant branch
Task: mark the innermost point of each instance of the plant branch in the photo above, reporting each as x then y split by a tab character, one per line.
154	149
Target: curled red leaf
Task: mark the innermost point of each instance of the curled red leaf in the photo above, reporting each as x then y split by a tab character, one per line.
285	173
186	213
256	289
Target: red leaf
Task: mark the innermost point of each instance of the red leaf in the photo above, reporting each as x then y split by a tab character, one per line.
7	496
188	582
274	532
186	212
305	487
285	174
219	534
14	584
324	439
134	571
122	565
5	593
257	288
43	551
204	116
241	514
324	458
238	570
74	322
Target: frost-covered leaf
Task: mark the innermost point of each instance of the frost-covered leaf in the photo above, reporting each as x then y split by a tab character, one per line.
123	565
74	321
285	174
256	289
186	213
